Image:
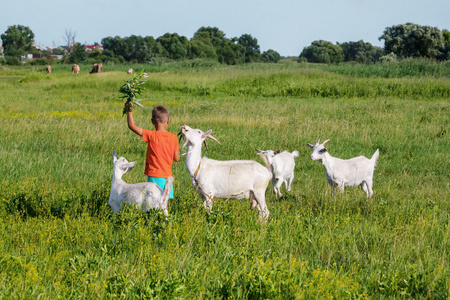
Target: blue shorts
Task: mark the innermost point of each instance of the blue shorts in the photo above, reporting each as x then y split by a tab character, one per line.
161	182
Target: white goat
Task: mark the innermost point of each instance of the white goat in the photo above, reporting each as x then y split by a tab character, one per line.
350	172
232	179
144	195
282	164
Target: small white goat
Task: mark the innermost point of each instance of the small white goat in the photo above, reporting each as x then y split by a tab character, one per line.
232	179
144	195
350	172
282	164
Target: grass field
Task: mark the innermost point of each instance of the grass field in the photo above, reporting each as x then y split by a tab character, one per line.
59	238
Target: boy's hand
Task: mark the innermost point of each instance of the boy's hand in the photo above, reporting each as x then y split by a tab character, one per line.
128	107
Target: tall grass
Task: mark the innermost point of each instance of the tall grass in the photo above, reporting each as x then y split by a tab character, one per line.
397	69
59	237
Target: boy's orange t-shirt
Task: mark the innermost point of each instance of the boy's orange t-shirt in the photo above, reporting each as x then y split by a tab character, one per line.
160	152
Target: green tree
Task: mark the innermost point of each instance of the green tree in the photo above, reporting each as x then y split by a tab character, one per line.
206	43
95	54
138	50
361	52
115	47
270	56
446	37
250	44
199	48
17	40
412	40
445	55
175	45
77	55
210	35
322	52
231	53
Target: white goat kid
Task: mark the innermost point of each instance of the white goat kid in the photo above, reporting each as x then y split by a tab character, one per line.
350	172
233	179
144	195
282	165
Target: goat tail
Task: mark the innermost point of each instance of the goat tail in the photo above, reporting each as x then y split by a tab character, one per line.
374	158
265	160
166	191
295	153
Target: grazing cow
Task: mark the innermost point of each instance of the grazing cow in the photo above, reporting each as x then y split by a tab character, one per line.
130	71
75	69
97	68
48	69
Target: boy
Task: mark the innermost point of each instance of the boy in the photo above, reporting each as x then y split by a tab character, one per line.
162	149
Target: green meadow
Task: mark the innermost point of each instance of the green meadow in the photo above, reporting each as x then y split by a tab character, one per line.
60	239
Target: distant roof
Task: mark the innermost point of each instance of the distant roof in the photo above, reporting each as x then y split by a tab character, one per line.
92	47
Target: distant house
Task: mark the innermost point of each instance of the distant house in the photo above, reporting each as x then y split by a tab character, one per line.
93	47
38	46
51	49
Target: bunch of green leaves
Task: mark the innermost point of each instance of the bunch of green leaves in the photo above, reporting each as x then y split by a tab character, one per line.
131	89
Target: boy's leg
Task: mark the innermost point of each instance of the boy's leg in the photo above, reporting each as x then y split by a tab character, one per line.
161	182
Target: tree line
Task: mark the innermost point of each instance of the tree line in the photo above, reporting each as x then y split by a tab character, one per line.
400	41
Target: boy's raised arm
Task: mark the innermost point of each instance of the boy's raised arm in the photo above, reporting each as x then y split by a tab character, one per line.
130	120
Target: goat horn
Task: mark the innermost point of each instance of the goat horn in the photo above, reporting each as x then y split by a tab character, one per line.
325	142
318	141
213	138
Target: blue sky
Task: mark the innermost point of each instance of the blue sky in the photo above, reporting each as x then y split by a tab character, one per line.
286	26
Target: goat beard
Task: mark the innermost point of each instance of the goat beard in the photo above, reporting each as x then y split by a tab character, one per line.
180	136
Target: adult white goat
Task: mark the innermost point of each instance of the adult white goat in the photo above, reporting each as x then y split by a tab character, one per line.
144	195
282	164
232	179
350	172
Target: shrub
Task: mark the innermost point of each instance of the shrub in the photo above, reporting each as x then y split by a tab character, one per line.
41	62
12	61
388	57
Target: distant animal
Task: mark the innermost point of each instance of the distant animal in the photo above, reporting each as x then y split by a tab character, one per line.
130	71
231	179
48	69
75	69
350	172
144	195
282	166
97	68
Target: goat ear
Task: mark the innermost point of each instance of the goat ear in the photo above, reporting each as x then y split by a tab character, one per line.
309	145
257	150
127	167
206	146
277	152
205	134
114	156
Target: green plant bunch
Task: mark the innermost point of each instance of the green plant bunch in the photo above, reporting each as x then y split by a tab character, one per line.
131	89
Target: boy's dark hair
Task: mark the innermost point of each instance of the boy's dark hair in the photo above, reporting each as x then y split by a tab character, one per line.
160	114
